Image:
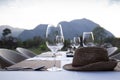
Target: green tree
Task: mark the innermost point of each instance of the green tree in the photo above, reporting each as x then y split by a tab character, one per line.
66	44
6	31
7	40
100	35
37	40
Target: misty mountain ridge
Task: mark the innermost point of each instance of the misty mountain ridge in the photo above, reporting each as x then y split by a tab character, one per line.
77	27
70	29
40	30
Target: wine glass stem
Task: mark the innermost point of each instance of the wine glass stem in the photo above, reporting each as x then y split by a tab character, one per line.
54	55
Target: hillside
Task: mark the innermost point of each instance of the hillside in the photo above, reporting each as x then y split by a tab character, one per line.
70	29
15	31
38	31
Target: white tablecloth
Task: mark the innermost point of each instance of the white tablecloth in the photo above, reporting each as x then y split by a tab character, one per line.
60	75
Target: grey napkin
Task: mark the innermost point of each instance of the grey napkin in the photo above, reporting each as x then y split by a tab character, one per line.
25	68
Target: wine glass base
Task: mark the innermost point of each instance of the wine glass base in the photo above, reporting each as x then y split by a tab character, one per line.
54	69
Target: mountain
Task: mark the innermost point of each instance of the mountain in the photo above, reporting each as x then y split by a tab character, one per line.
70	29
40	30
78	26
15	31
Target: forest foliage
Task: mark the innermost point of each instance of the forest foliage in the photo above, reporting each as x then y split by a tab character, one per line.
38	45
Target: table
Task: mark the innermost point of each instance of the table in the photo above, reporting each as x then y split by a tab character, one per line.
60	75
45	59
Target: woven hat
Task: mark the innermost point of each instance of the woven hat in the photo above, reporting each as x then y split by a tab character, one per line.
91	59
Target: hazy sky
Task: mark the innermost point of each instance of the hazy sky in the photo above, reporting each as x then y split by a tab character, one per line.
29	13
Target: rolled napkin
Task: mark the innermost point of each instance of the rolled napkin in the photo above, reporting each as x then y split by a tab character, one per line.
91	59
25	68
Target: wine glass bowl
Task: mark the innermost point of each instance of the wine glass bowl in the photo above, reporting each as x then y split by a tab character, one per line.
88	39
72	44
50	38
76	42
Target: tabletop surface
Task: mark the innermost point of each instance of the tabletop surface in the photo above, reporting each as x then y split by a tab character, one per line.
59	75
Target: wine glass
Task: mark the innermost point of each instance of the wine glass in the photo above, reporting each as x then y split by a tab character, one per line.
76	42
72	46
54	41
88	39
